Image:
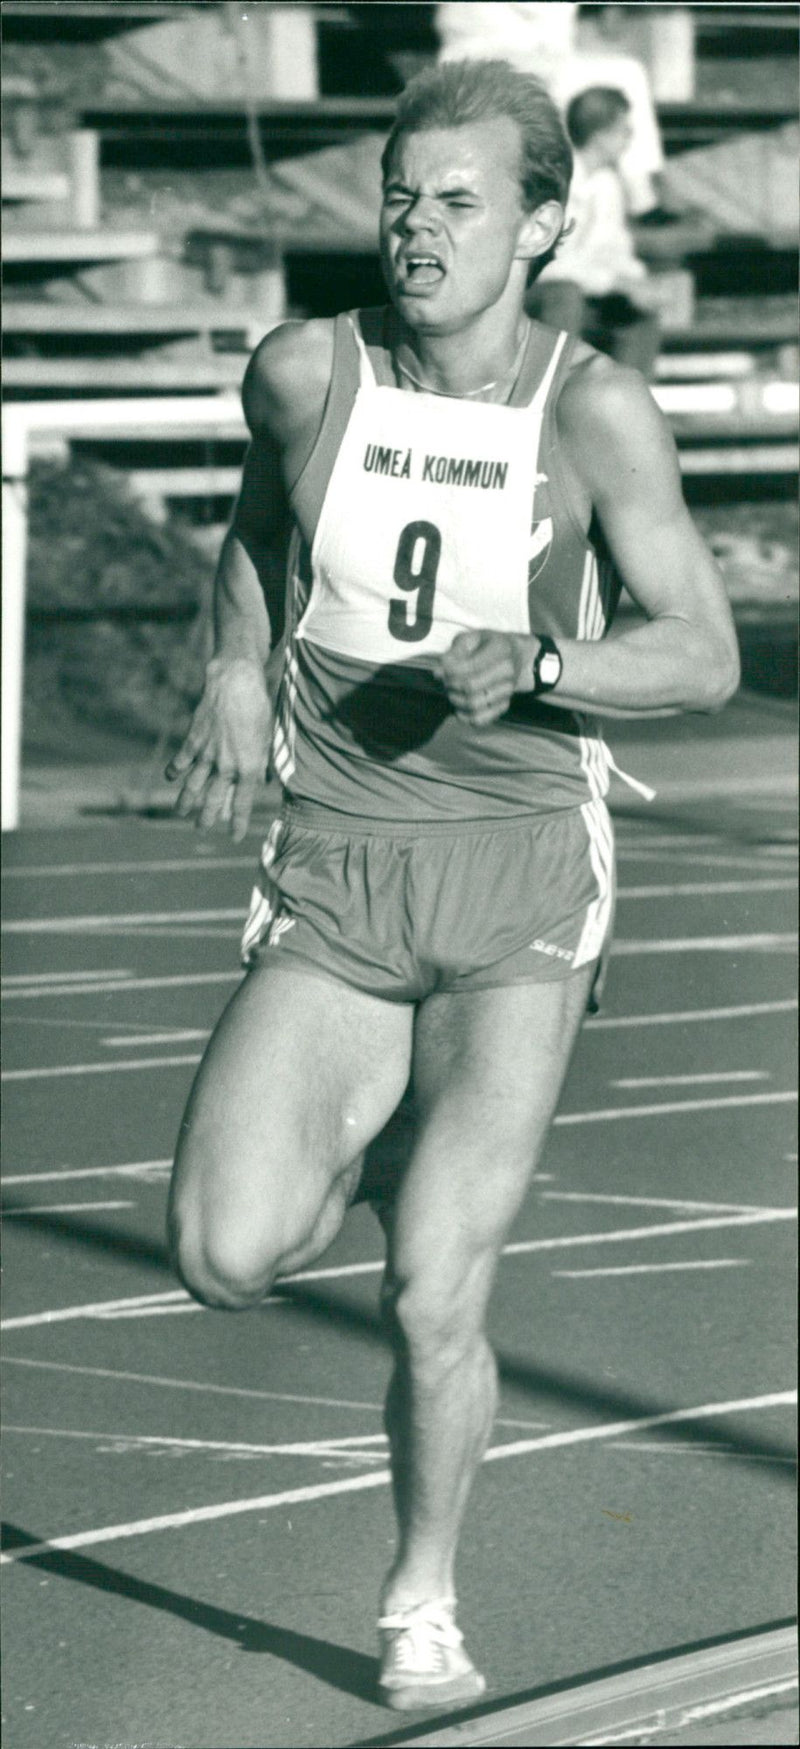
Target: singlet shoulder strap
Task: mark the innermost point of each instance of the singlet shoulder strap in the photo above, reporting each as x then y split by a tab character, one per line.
540	366
308	491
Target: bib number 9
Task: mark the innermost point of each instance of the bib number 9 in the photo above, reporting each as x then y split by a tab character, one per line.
415	568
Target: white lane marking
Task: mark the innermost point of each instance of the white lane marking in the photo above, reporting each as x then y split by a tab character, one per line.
690	1080
112	1308
664	1230
685	1016
654	1268
181	981
669	1448
189	1035
580	1435
204	1386
143	1378
686	889
672	1107
381	1478
169	866
777	942
62	1208
762	858
135	1169
18	979
654	1202
111	921
60	1070
165	1311
297	1448
94	1309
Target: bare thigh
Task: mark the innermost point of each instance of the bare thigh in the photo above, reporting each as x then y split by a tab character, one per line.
300	1073
488	1068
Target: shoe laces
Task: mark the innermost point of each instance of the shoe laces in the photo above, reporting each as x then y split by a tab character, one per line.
422	1633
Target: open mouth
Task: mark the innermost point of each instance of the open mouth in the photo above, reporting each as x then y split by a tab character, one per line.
421	270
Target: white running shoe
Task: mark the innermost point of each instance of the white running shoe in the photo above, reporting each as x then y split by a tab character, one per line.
423	1662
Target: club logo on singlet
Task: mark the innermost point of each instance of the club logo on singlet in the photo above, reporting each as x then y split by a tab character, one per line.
541	528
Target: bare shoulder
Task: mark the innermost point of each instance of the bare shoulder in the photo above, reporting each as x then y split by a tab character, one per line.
287	379
610	424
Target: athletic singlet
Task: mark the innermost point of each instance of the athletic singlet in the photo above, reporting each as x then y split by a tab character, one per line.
419	516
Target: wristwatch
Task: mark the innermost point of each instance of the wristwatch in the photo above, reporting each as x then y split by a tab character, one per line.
547	665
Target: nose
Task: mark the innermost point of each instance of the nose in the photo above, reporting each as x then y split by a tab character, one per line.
421	214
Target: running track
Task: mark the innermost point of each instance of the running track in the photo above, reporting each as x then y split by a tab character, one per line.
186	1489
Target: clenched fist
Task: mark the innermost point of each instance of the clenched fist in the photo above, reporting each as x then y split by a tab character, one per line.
482	670
224	757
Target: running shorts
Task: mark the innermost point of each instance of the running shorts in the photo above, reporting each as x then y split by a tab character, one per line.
406	912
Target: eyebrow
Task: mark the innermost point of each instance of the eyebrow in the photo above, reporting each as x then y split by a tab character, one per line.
396	187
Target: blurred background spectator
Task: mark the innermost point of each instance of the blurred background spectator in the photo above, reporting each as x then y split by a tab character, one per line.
569	48
597	286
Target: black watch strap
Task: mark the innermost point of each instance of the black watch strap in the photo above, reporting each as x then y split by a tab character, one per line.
547	664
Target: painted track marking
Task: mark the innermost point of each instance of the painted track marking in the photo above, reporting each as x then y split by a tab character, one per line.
687	1080
673	1107
204	1386
16	980
653	1202
782	941
172	865
116	920
686	1016
521	1247
381	1478
143	1378
692	889
175	981
135	1169
62	1208
654	1268
294	1448
63	1070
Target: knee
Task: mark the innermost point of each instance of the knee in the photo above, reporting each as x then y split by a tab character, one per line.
438	1326
220	1269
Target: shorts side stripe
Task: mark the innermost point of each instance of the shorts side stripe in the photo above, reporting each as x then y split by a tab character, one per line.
601	852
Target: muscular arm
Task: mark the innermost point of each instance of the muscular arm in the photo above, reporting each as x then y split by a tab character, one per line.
685	655
224	756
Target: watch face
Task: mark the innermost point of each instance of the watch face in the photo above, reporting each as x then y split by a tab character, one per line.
549	668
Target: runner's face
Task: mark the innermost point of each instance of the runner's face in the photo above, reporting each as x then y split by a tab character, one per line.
453	223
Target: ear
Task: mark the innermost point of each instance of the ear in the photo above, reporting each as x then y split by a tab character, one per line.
540	230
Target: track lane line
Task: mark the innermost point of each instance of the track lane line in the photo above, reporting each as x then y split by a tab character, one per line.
80	925
767	941
697	889
381	1478
654	1268
653	1202
179	981
686	1016
172	865
295	1448
521	1247
143	1378
695	1080
204	1386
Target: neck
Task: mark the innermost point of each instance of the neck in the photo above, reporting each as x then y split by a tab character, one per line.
451	364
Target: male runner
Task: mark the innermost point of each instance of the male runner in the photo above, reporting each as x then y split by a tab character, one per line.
435	899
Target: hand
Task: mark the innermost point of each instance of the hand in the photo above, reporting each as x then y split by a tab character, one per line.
482	670
224	757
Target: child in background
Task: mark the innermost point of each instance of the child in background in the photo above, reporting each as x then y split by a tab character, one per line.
597	286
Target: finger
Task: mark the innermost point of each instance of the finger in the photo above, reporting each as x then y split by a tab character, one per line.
243	799
218	795
193	748
193	790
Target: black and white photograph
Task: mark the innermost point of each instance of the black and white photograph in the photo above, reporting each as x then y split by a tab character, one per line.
399	805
